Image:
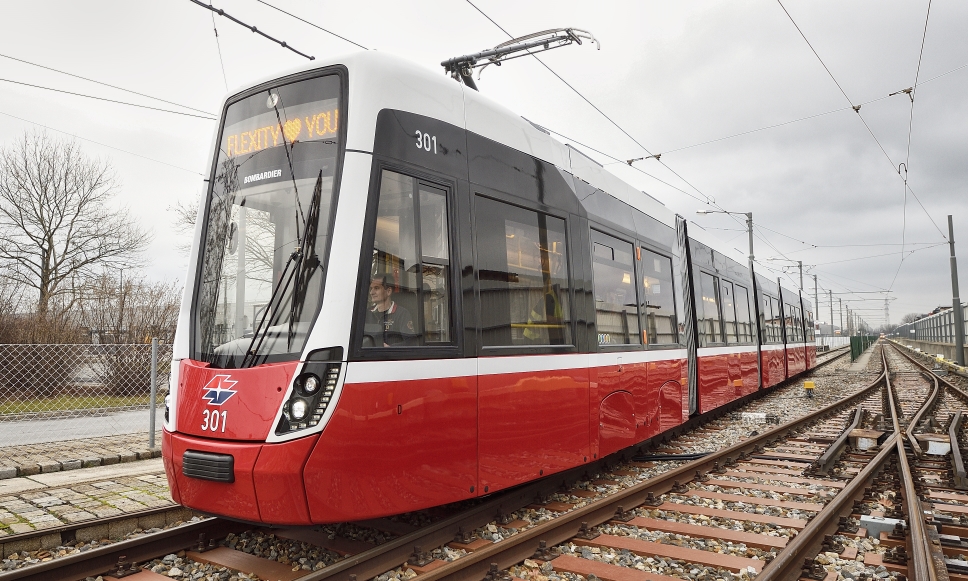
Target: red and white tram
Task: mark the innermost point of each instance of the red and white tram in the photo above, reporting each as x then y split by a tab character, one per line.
406	295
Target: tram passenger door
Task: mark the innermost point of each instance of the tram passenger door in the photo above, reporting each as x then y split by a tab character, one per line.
532	385
409	392
660	407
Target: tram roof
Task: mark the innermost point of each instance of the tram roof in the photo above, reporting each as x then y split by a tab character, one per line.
380	81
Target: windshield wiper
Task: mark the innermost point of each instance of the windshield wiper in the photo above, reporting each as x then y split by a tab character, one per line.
286	148
309	261
302	261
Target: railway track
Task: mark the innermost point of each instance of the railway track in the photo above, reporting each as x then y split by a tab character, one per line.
752	493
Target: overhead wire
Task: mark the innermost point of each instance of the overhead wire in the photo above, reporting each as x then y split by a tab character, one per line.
609	156
95	81
75	136
303	20
859	116
253	28
218	46
806	118
859	246
207	117
708	199
908	252
911	93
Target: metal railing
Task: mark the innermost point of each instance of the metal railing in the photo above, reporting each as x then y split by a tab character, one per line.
52	393
859	344
936	328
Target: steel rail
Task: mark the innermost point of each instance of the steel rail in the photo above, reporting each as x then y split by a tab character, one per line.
957	460
961	480
920	564
72	528
514	549
826	461
830	356
788	563
919	415
947	384
101	560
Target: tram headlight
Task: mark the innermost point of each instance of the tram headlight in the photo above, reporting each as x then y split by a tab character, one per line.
312	391
298	409
309	383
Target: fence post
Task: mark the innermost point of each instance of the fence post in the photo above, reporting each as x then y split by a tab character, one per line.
154	393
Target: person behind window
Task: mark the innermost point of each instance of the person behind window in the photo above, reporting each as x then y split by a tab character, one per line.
546	319
387	323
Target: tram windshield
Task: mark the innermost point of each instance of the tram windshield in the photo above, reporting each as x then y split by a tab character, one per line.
266	225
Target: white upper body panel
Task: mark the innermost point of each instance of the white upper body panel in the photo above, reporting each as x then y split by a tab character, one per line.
700	234
379	81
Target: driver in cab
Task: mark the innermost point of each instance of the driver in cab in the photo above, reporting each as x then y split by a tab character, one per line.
387	323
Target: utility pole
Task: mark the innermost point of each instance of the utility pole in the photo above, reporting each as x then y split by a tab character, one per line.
749	230
800	266
956	299
759	354
816	302
120	333
830	296
841	303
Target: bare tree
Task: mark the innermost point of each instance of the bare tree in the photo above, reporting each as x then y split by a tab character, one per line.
119	317
184	223
56	226
910	318
130	313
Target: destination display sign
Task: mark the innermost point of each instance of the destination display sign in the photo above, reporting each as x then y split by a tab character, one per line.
305	122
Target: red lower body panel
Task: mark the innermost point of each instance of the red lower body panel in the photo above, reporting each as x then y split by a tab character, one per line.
774	367
796	359
531	424
713	382
811	356
268	479
395	446
723	378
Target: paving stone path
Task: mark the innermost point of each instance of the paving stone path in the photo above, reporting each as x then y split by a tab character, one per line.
30	459
53	507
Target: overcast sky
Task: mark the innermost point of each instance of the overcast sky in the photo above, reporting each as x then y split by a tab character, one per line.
674	75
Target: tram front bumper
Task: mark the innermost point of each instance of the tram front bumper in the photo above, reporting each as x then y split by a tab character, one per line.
254	482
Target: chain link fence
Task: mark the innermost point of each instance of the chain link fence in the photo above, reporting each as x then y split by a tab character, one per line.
53	393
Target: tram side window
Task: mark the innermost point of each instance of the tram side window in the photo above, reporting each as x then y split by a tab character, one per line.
776	322
523	273
616	312
744	326
707	310
788	323
798	324
729	310
811	337
409	299
766	336
658	302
